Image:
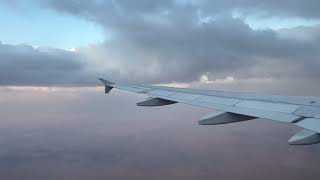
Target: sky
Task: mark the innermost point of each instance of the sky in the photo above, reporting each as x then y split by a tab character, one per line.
76	41
58	124
32	25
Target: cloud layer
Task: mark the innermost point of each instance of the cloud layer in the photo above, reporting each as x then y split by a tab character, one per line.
166	41
84	135
26	65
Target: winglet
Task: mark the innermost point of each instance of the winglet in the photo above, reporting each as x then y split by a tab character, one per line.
108	85
106	82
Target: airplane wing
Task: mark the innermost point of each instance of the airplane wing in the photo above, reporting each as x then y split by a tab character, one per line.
234	107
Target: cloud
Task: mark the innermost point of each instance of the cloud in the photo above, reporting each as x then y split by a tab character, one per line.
286	8
179	41
27	65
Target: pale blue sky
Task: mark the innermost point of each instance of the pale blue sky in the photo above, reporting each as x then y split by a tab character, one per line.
42	27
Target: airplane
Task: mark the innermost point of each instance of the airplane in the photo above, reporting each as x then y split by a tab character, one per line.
233	107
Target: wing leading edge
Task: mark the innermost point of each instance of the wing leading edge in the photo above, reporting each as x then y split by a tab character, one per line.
234	107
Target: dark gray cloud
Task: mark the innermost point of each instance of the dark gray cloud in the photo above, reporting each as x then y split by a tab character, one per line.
31	66
26	65
165	41
286	8
180	39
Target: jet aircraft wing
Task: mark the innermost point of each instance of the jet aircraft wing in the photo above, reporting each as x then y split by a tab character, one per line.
234	107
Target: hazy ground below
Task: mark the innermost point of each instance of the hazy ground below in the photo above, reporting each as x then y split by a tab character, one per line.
83	134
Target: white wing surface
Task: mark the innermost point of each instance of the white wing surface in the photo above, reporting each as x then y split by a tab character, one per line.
236	107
